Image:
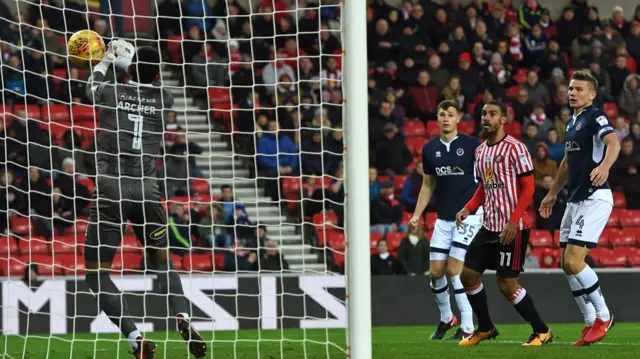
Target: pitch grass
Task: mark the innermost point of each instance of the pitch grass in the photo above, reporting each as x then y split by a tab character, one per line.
388	342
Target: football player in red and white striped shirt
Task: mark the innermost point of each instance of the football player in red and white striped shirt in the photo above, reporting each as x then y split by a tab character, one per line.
505	172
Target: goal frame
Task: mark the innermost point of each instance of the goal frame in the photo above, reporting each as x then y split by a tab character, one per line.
358	268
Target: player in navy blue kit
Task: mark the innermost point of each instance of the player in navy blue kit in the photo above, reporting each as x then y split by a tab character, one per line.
448	163
591	148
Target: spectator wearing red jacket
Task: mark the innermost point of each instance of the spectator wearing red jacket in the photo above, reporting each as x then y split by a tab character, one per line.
424	98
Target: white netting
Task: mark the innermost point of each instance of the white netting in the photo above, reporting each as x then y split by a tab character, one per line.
262	209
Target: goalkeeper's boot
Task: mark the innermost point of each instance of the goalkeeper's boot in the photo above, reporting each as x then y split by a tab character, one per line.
539	339
478	337
460	334
197	345
581	342
443	327
146	349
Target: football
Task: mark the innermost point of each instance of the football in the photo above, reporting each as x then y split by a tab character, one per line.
85	47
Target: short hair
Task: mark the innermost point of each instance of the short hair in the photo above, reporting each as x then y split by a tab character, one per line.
447	104
501	105
585	76
224	186
145	65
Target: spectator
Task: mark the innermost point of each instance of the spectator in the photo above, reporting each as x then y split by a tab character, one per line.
74	89
30	276
560	123
272	259
380	74
553	222
386	211
621	128
540	119
259	240
207	69
630	96
458	43
333	149
530	137
618	21
14	79
635	136
441	28
547	25
618	73
51	42
468	76
424	98
312	153
274	70
482	36
381	44
277	156
556	148
12	201
438	75
536	44
240	259
391	153
609	38
480	57
515	41
496	24
179	233
175	172
529	14
71	148
189	149
63	210
229	203
413	252
38	193
378	122
604	82
560	101
530	260
197	13
581	46
398	115
407	73
537	92
633	41
411	188
384	263
626	173
70	189
374	183
497	78
213	230
170	129
554	60
568	28
512	127
169	18
453	91
543	165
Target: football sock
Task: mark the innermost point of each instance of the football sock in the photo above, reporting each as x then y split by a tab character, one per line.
466	314
524	305
478	300
440	290
587	309
110	300
591	286
170	283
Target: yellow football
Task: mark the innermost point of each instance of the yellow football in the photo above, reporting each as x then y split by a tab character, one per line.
84	47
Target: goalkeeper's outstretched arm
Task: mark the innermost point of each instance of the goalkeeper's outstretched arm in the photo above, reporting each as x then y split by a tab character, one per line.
96	83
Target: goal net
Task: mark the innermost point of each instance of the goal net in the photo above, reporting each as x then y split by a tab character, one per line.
251	176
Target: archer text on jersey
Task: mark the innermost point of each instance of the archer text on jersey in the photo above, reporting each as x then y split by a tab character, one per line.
134	107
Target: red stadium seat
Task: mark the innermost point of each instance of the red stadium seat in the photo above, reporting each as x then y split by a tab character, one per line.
614	218
512	92
218	261
556	239
70	264
8	246
81	113
56	113
174	47
398	182
176	260
33	245
598	253
619	200
130	244
338	260
12	266
431	220
613	259
33	111
412	166
414	129
553	253
607	236
373	240
611	109
415	144
59	75
63	245
333	239
625	237
326	220
629	218
394	239
291	184
467	127
201	262
201	185
433	129
406	217
45	264
541	238
521	76
471	108
126	262
20	225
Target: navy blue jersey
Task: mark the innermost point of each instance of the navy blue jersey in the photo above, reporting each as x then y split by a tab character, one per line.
453	166
585	150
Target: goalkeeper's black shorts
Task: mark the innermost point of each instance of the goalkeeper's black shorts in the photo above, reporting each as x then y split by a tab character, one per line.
117	201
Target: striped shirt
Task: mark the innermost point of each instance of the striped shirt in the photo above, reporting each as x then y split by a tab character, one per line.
498	166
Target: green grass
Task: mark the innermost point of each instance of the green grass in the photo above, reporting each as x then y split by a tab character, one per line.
388	342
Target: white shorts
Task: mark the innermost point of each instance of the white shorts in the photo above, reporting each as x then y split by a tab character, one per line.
583	222
448	241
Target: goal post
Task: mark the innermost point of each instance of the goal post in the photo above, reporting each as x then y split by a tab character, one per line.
357	182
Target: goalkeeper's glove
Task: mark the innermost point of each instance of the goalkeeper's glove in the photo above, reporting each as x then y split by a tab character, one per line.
124	52
107	60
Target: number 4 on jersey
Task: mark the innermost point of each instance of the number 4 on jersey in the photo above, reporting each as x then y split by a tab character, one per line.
137	131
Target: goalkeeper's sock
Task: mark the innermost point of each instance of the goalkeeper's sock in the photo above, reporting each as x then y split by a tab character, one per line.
111	301
478	300
587	309
466	313
132	339
170	283
523	303
440	290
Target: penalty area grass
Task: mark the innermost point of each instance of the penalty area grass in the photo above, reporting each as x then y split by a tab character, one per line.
388	342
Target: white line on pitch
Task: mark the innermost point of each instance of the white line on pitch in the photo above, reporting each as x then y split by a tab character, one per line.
568	343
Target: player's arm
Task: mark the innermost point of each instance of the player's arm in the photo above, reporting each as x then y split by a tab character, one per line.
600	174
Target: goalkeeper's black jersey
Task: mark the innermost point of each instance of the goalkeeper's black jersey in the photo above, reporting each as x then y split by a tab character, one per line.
132	121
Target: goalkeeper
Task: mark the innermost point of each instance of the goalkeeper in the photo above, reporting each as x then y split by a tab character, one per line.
128	143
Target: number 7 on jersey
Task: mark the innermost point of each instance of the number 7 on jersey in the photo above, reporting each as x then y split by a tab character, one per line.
137	131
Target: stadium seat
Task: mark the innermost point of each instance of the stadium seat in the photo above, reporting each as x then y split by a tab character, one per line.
70	264
218	261
45	264
126	263
394	239
63	245
607	235
398	182
433	129
415	144
414	129
176	260
326	220
598	253
219	95
629	218
59	75
333	239
373	240
406	217
130	244
626	238
431	220
174	47
8	246
471	108
412	166
633	256
614	218
33	111
613	259
20	225
201	185
541	238
570	73
467	127
56	113
338	260
512	92
201	262
87	182
619	200
12	266
521	76
611	109
33	245
291	184
556	239
554	253
81	113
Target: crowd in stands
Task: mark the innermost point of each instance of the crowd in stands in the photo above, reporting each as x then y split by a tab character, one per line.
271	76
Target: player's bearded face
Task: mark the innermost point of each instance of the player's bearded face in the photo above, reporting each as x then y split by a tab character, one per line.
492	119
